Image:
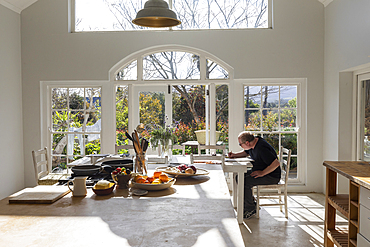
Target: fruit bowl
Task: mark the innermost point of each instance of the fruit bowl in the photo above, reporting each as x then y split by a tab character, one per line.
160	186
121	180
102	192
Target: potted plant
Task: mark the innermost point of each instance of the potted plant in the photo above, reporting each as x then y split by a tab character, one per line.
163	136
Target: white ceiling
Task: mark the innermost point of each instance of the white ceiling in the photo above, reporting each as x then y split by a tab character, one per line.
19	5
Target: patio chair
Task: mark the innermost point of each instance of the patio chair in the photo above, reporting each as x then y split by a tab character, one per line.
274	190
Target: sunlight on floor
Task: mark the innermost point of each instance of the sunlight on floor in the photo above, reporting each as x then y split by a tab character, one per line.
304	227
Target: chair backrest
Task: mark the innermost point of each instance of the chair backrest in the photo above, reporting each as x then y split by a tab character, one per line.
128	147
41	163
207	157
284	158
212	146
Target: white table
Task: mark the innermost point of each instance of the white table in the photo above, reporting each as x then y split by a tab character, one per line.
238	166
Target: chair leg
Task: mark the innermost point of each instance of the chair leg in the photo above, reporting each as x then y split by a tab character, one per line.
286	203
280	201
258	203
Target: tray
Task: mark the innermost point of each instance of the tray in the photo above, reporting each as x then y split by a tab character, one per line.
200	172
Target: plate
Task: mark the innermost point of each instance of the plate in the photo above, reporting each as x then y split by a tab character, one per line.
200	172
154	186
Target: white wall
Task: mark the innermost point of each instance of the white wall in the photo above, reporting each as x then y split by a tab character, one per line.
347	36
11	134
293	49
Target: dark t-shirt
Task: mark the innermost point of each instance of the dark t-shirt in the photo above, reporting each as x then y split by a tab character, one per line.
263	155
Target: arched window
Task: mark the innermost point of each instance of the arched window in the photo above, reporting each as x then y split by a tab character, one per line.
175	84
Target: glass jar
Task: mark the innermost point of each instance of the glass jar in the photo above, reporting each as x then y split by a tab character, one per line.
140	164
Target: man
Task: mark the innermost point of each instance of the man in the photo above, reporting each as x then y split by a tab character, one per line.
266	167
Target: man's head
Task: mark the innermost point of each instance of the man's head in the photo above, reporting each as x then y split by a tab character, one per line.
246	140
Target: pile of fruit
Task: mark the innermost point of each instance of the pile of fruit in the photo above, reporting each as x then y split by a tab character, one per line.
187	169
121	171
157	178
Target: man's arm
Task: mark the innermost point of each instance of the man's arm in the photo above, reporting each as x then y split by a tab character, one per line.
275	164
240	154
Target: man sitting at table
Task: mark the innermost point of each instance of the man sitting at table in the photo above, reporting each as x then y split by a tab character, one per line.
266	167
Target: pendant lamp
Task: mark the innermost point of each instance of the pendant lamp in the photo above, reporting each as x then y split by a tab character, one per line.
156	13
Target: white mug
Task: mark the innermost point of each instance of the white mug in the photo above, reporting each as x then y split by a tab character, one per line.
79	186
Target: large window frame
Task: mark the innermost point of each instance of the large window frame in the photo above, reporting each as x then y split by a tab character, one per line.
73	19
300	120
235	87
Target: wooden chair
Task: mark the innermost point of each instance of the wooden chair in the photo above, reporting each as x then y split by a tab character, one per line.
274	190
41	164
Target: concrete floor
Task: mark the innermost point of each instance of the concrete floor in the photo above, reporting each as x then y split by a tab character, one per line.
304	227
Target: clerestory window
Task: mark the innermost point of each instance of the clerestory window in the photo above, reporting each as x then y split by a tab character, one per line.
116	15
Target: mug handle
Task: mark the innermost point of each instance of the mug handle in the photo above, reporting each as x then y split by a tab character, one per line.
68	185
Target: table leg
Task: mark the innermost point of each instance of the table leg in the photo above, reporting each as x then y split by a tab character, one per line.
235	191
240	195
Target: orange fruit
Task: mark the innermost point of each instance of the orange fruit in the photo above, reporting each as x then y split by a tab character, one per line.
137	177
150	179
156	174
140	180
163	177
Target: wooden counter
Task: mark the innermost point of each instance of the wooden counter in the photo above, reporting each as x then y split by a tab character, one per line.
196	211
358	173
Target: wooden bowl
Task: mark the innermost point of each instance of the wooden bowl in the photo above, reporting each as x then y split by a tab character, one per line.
103	192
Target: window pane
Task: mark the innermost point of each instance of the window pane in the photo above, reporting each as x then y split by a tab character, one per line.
92	144
93	95
288	120
152	109
93	122
76	120
252	120
171	65
270	120
60	120
273	140
270	96
221	14
293	174
222	112
121	115
288	96
215	71
59	144
76	98
252	96
129	72
59	98
289	141
112	15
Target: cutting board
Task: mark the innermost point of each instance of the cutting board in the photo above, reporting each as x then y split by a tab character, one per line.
42	194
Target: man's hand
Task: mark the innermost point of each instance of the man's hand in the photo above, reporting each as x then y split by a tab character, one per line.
257	174
230	154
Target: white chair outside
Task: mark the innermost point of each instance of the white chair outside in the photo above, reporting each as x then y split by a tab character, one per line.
212	147
207	157
41	164
126	147
274	190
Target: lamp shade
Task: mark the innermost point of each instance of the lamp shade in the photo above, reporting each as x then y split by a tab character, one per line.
156	13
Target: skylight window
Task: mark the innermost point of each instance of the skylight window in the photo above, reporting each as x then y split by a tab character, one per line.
116	15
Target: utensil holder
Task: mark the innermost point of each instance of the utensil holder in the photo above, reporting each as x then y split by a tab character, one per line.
140	164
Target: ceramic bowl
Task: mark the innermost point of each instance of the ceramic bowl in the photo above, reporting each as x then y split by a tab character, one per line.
102	192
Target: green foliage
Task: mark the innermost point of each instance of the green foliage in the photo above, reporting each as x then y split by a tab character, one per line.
162	135
92	147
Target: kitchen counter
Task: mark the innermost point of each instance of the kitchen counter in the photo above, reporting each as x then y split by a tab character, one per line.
196	211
